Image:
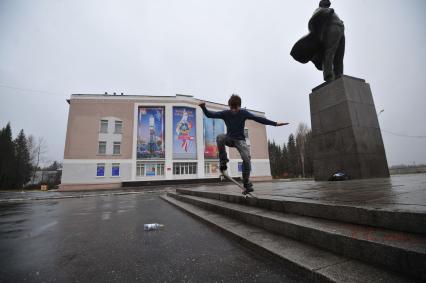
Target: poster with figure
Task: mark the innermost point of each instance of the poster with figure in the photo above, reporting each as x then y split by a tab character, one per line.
150	143
212	128
184	133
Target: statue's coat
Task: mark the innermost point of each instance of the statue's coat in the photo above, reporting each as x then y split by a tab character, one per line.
310	47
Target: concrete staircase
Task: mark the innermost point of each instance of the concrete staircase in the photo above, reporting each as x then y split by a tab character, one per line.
321	242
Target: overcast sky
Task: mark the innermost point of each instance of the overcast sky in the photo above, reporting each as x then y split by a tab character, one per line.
208	49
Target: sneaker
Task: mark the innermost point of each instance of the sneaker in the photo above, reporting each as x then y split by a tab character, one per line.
249	188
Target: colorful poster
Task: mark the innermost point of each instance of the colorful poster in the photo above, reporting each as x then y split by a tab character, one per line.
184	136
150	170
150	143
212	128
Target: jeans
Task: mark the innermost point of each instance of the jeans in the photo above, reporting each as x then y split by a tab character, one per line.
241	145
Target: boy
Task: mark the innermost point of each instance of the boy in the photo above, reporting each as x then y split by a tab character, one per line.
234	119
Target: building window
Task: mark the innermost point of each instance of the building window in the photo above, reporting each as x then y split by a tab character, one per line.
116	148
100	170
211	167
149	169
160	169
102	147
140	169
185	168
118	127
247	136
115	170
240	167
104	126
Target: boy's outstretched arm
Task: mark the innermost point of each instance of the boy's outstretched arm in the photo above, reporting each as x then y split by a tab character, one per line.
279	124
263	120
210	114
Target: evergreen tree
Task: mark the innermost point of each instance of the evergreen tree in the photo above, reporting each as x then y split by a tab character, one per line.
292	156
284	161
53	167
274	158
22	161
309	155
7	158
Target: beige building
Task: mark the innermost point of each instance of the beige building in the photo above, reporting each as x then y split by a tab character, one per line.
122	138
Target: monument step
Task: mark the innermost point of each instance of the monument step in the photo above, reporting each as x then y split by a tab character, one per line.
399	251
405	221
311	263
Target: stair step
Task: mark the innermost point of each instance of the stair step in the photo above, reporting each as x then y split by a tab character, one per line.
399	251
310	262
405	221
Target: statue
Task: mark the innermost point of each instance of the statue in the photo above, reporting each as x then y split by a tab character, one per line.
325	43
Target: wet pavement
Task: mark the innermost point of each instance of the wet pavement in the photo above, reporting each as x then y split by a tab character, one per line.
398	193
19	196
101	239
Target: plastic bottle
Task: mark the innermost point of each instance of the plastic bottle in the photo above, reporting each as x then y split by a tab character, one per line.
153	226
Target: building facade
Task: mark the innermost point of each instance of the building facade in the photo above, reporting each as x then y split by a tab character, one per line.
116	138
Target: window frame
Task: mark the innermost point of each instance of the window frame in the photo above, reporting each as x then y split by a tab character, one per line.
185	168
114	144
99	147
116	164
99	165
141	167
103	121
246	133
115	127
247	136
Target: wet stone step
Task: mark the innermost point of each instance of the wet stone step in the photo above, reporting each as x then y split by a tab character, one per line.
394	250
405	221
311	263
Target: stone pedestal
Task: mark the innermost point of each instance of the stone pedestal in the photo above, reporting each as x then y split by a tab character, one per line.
345	130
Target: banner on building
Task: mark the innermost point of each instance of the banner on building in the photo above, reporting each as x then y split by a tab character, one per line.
150	143
212	128
184	133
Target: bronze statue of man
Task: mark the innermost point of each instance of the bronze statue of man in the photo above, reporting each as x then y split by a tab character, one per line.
325	43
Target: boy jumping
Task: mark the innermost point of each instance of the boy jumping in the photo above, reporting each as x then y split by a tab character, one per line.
235	119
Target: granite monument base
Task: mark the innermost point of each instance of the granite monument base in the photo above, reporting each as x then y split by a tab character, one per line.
345	131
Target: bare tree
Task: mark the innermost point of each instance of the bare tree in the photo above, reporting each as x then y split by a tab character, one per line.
31	144
37	151
301	133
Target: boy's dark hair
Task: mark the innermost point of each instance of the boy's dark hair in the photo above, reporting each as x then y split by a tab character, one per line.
234	101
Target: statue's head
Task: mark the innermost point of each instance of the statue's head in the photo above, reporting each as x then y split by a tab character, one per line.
325	3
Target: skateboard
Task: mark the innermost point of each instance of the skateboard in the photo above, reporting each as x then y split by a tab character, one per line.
224	175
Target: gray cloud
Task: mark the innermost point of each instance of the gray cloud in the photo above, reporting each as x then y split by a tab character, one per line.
209	49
